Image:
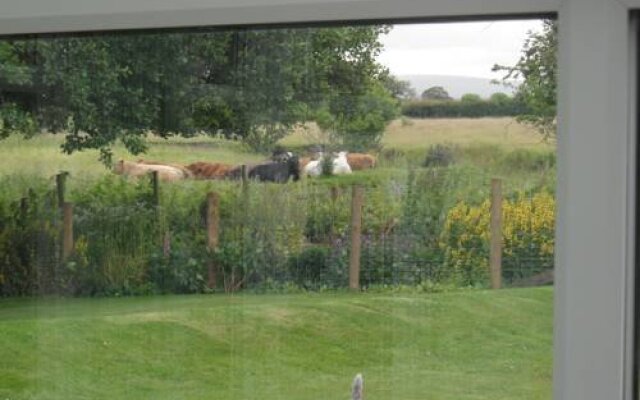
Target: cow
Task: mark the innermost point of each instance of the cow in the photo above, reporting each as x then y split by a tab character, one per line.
166	173
281	155
304	161
204	170
314	167
360	161
340	164
178	166
339	161
278	172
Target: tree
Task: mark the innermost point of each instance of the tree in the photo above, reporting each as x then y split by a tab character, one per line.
399	89
500	99
538	68
435	93
358	121
249	84
15	78
470	98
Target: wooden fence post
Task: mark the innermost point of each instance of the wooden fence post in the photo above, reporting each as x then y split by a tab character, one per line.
61	181
495	255
356	230
24	210
155	186
166	244
334	198
245	176
213	221
334	194
67	230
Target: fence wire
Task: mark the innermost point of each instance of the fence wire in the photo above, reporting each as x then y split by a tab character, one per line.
422	228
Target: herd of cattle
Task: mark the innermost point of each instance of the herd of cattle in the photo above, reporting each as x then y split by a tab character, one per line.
282	167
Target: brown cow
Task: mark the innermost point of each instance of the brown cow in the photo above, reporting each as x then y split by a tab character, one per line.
359	161
204	170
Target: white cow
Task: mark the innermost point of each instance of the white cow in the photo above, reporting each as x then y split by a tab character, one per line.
314	168
341	165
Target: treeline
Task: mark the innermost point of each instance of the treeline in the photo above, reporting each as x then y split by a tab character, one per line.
469	106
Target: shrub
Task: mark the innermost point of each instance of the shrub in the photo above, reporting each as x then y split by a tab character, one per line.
529	160
326	164
468	107
528	231
308	268
439	155
29	246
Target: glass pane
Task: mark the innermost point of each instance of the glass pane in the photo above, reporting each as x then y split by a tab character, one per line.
283	213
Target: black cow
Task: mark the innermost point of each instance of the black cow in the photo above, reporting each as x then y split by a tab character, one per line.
274	171
279	172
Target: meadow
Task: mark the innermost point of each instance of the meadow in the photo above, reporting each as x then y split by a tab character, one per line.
477	138
447	346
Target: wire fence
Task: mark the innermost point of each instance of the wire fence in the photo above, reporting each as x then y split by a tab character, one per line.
423	228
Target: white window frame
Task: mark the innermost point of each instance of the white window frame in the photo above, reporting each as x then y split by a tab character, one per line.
596	144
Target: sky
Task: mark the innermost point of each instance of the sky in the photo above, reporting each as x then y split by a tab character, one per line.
460	49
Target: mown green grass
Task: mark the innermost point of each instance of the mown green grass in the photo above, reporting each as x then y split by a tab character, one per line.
456	345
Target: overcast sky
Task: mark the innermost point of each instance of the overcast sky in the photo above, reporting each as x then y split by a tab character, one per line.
469	48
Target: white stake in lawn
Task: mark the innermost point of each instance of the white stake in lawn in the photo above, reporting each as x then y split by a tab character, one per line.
357	388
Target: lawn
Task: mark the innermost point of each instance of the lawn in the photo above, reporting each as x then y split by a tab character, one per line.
455	345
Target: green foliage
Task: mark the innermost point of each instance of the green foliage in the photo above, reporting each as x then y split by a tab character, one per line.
359	120
435	93
309	267
470	98
14	120
500	98
439	155
470	106
399	89
538	67
255	85
528	232
527	160
326	164
13	58
29	245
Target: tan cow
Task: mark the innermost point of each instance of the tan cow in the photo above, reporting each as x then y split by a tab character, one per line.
181	167
360	161
166	173
204	170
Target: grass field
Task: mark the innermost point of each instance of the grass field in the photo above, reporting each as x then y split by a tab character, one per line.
419	134
42	156
458	345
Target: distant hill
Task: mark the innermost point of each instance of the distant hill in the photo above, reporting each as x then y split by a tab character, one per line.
456	86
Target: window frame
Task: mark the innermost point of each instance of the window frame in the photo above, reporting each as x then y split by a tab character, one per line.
595	234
